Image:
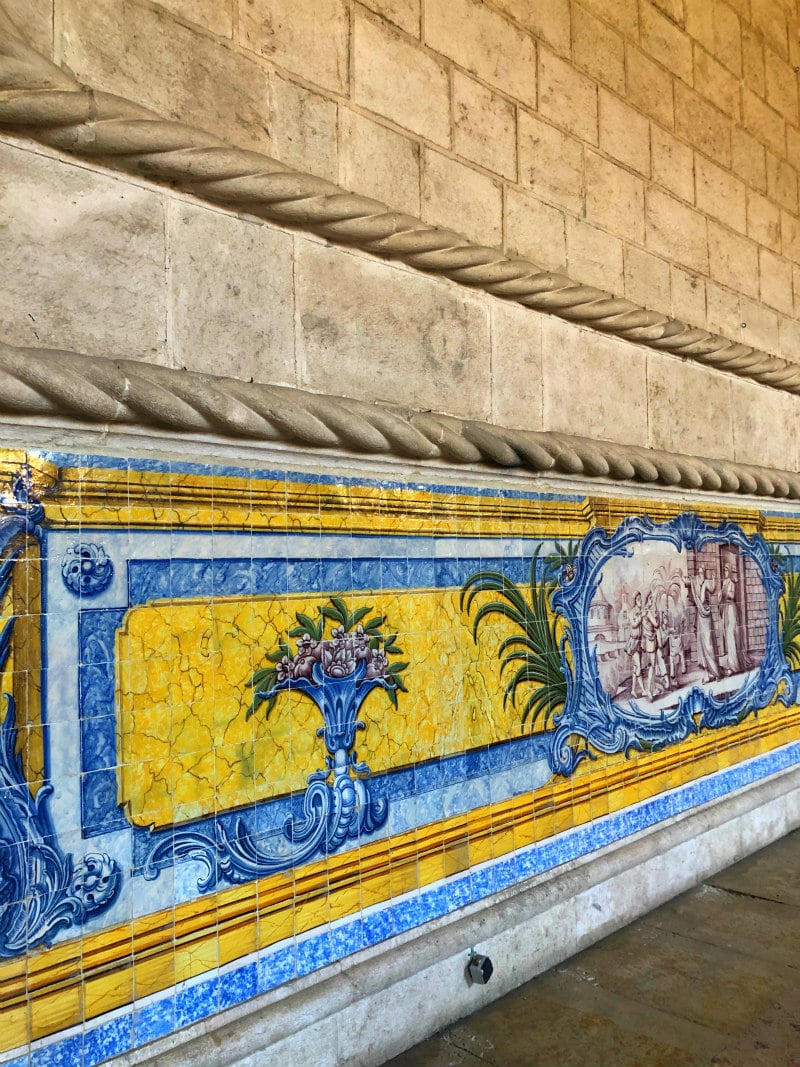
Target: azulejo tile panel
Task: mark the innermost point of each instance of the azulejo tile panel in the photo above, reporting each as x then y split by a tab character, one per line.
256	720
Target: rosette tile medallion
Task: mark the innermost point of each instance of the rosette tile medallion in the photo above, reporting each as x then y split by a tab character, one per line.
254	721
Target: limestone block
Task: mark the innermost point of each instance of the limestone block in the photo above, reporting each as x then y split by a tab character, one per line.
230	288
733	260
624	14
598	49
303	129
790	339
399	80
776	281
216	16
483	41
727	37
614	198
720	194
793	146
724	314
781	182
673	164
753	66
403	13
689	407
759	325
649	86
462	199
516	366
306	37
35	19
781	85
765	425
716	83
567	97
748	159
594	257
551	163
676	231
82	259
700	22
593	385
790	236
546	19
688	297
378	162
624	133
647	279
673	9
535	230
702	125
764	123
379	332
764	221
664	41
125	47
484	126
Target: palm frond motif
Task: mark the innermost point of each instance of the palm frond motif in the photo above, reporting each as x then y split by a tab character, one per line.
789	613
532	654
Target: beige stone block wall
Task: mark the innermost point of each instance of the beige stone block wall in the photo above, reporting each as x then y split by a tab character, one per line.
670	128
117	267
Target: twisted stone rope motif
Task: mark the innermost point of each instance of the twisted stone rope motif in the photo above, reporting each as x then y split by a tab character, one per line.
40	100
97	391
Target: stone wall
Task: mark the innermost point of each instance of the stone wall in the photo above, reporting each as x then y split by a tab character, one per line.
111	266
651	149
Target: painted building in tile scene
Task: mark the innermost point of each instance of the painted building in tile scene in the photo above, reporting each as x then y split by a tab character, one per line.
399	503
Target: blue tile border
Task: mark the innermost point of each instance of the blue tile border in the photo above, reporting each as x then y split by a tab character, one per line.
205	997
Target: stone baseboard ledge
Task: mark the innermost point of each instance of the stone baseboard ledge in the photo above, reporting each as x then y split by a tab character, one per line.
361	1012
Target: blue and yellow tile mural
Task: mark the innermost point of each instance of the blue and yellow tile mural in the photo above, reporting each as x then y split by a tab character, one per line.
254	721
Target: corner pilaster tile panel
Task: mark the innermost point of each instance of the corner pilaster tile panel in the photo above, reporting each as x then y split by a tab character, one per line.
255	720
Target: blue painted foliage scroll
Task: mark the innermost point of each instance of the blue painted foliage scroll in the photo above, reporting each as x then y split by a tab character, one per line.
42	889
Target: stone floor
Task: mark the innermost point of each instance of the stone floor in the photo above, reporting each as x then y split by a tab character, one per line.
712	978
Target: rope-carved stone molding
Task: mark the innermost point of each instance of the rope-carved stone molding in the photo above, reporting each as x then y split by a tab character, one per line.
116	392
39	100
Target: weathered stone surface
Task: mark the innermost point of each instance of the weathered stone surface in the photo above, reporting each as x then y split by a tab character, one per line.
677	232
689	407
380	332
306	37
482	40
461	199
535	230
598	49
403	13
303	129
127	48
549	20
397	79
723	311
594	256
516	367
614	198
765	425
230	285
378	162
775	281
35	18
673	164
720	194
484	126
649	86
647	280
216	16
733	259
624	133
688	297
81	259
664	41
567	97
550	163
593	385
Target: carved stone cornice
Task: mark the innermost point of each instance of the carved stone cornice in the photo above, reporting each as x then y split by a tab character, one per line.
39	100
119	392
